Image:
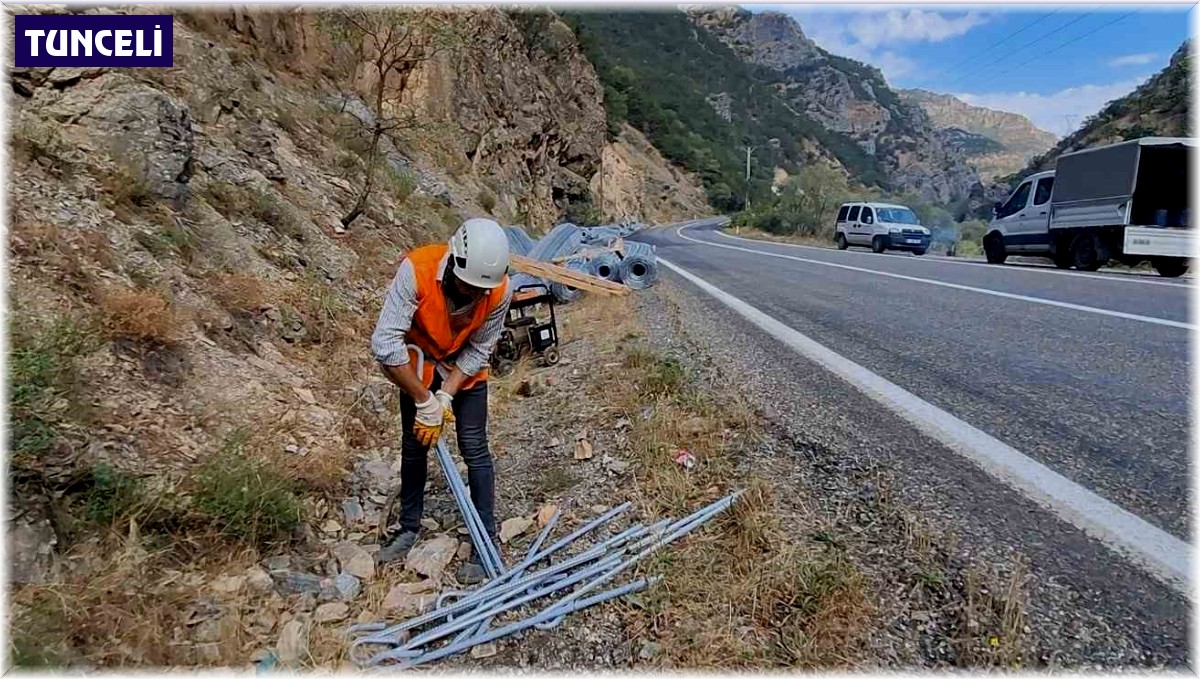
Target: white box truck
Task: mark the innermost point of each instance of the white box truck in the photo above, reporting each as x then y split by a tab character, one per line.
1127	201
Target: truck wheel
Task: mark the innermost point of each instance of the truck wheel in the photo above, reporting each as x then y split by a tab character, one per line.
841	241
1170	267
993	249
877	244
1088	253
1063	259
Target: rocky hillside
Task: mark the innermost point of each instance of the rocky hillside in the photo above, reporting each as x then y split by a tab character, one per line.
189	378
996	143
1160	107
848	98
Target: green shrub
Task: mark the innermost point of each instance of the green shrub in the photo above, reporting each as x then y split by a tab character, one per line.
245	495
41	373
405	183
114	495
487	200
276	214
171	239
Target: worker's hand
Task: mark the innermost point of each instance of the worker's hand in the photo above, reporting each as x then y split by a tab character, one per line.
430	420
447	412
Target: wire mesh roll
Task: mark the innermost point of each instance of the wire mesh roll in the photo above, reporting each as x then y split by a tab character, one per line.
518	241
564	239
639	266
606	265
565	294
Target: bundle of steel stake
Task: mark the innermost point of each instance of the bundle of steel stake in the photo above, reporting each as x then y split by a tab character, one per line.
546	591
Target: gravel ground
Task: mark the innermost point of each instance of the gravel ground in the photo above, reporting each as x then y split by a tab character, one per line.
1084	608
953	582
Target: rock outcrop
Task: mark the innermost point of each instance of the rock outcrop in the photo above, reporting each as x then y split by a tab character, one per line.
847	97
996	143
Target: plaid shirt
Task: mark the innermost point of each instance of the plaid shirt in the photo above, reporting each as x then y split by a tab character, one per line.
399	304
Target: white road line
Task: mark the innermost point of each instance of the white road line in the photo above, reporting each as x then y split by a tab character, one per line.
956	286
1117	277
1160	553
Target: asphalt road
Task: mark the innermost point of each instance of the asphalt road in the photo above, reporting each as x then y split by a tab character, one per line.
1084	373
1102	400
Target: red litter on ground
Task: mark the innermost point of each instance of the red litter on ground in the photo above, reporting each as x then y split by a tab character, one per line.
685	459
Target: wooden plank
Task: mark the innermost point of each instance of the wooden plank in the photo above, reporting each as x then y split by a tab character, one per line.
561	274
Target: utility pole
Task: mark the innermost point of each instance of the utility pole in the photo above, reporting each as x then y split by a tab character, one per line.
749	149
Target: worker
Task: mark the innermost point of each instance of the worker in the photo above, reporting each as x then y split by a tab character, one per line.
451	301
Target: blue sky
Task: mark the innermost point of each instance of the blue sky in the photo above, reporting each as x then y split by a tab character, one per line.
1056	64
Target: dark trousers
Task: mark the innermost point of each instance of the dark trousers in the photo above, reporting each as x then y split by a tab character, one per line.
470	419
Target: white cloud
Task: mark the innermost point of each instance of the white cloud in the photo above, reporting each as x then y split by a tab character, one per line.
1060	112
1143	59
914	25
877	37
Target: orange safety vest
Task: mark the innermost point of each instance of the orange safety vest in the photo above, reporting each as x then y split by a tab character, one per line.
430	327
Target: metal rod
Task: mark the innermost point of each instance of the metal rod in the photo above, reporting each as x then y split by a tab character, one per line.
451	649
489	556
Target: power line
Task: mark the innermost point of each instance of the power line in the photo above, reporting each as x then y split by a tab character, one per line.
1069	42
1022	47
1003	40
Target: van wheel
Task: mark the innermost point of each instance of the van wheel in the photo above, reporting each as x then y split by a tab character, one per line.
919	252
1088	253
993	249
877	244
841	241
1170	267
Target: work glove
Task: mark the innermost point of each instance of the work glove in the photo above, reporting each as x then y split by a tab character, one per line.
447	412
429	421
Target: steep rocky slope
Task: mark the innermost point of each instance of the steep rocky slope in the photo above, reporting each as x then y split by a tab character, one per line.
996	143
846	97
189	331
1159	107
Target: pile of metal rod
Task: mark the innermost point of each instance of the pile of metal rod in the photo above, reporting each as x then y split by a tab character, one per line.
550	591
599	251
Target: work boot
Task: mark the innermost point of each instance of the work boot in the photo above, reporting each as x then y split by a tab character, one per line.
397	548
471	572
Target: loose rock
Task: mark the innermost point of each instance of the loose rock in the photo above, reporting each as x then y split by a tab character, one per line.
354	560
331	612
430	524
545	514
513	527
483	650
353	511
430	558
402	603
292	646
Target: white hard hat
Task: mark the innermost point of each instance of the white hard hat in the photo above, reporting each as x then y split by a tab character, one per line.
479	251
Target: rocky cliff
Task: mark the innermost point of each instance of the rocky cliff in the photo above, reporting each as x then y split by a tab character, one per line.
189	328
1160	107
996	143
846	97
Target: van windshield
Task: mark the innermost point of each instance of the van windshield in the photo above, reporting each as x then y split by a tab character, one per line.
897	215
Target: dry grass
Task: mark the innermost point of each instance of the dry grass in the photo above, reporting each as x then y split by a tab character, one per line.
127	193
130	603
240	292
743	592
798	239
143	315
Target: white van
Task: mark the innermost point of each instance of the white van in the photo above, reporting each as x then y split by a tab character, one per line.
882	226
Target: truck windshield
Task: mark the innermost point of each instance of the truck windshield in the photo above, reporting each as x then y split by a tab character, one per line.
897	215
